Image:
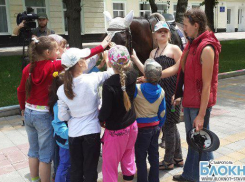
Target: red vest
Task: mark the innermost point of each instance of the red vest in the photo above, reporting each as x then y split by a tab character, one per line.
193	71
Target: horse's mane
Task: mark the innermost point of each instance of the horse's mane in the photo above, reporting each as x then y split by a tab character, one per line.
158	15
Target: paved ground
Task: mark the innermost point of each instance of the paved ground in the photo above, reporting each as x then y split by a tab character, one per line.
227	121
8	51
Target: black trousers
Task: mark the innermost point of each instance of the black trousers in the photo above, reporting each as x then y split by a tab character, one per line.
84	153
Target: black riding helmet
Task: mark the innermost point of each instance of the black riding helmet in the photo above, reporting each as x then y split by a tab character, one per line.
203	140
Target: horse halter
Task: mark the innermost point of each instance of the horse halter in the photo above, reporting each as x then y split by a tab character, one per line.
151	29
129	37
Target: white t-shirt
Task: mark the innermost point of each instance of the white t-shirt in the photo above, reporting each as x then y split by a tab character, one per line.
82	112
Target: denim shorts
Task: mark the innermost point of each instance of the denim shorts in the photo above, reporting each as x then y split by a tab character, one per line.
40	135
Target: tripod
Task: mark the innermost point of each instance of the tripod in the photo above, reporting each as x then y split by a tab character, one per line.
26	34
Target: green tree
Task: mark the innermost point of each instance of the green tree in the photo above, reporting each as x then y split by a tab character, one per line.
180	10
209	11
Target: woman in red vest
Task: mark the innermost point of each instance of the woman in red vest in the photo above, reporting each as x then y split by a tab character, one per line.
198	68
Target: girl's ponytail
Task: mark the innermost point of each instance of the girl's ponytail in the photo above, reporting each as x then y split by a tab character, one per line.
126	101
68	83
32	58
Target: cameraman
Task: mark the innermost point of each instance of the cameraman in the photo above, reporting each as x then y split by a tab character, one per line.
41	30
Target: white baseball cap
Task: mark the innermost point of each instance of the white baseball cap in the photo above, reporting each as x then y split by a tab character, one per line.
160	25
73	55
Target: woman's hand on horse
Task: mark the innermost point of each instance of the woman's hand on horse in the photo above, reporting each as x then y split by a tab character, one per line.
141	79
106	41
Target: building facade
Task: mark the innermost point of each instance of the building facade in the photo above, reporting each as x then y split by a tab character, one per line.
229	15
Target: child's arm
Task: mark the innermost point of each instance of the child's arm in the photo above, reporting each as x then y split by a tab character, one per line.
91	63
63	112
21	91
106	107
60	128
162	112
138	63
101	47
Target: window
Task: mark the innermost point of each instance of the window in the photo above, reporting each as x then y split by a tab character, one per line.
118	9
162	8
38	5
228	16
175	9
3	17
195	6
145	9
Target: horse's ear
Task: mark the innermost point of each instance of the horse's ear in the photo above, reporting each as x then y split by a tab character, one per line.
129	18
107	16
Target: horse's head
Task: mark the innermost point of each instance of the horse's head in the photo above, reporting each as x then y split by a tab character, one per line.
119	29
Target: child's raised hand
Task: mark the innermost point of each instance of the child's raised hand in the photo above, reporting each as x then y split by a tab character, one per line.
106	41
134	55
102	64
112	44
141	79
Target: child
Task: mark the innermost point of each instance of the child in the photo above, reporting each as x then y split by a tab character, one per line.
61	43
79	94
118	113
60	132
33	100
62	48
150	113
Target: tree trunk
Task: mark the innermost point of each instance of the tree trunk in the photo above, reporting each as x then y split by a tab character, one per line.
209	11
180	10
153	6
73	14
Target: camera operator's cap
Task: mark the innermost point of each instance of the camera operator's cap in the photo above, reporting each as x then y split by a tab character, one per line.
160	25
42	15
117	53
153	70
203	140
73	55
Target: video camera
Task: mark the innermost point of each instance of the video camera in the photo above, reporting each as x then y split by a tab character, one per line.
29	18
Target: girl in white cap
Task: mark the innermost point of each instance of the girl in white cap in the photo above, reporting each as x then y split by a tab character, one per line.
167	55
78	104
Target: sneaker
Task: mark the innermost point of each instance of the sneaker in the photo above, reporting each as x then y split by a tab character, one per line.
180	178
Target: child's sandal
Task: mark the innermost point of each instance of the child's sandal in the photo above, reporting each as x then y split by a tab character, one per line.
178	163
164	166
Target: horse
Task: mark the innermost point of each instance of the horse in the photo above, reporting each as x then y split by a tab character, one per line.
137	33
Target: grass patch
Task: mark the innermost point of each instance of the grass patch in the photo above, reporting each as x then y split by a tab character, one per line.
10	76
232	58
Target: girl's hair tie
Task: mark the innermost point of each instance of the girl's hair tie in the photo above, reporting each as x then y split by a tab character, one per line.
123	88
35	40
55	74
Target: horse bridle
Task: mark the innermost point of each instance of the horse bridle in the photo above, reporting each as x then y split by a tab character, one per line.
151	29
129	37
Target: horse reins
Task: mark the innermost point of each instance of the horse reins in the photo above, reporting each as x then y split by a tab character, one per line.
129	37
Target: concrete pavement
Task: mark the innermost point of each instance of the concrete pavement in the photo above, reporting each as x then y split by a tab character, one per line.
227	121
